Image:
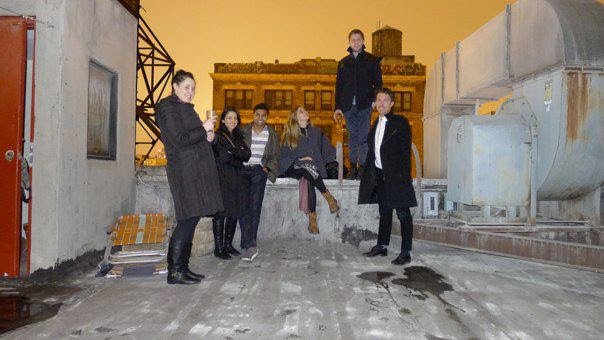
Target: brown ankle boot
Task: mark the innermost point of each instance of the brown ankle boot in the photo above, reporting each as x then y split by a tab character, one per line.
313	227
333	204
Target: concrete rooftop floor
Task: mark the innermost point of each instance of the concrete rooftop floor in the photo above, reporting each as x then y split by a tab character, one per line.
311	290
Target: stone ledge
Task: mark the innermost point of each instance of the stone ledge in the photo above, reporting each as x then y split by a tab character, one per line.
280	216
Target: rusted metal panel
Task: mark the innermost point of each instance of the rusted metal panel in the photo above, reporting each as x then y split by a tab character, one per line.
584	256
577	98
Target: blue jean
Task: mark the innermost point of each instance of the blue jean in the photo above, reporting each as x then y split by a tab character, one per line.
357	123
250	221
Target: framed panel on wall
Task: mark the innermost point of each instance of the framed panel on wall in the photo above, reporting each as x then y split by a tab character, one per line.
102	112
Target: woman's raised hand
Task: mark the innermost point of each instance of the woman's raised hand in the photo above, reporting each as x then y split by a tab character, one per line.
209	123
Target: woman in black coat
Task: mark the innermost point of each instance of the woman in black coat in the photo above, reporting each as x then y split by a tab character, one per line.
191	171
230	151
303	154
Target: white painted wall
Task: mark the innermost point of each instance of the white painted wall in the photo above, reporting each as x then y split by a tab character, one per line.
74	198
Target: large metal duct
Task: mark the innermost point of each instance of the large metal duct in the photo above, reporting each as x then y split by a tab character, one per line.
550	55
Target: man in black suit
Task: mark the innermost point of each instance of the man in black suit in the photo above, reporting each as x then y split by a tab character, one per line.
387	177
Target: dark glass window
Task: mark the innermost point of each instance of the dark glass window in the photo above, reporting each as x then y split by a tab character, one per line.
309	100
278	99
326	100
238	99
402	101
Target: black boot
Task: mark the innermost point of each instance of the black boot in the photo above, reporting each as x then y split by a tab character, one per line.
187	269
360	171
353	171
177	253
218	230
229	232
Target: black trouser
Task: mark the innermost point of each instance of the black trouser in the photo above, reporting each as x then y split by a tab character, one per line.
403	214
185	229
250	221
312	184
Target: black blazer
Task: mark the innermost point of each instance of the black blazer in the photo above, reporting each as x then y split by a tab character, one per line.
395	154
360	77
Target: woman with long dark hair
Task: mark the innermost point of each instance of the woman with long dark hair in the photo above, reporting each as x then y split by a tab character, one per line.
302	155
191	171
230	151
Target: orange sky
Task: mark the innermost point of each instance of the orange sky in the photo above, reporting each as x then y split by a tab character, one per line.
199	33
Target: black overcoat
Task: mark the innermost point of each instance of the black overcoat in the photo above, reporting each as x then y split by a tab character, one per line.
395	154
230	154
191	168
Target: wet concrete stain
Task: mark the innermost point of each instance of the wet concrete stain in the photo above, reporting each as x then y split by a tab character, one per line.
30	304
404	311
287	312
424	280
421	281
18	310
103	330
376	277
355	235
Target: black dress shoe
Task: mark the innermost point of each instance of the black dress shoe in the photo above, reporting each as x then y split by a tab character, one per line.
377	250
401	260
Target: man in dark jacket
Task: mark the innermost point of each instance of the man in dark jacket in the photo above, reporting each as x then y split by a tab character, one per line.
387	178
263	141
359	76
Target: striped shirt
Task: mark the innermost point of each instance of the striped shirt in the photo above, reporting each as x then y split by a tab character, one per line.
258	145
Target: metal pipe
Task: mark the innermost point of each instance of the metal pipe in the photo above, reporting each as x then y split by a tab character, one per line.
340	159
418	174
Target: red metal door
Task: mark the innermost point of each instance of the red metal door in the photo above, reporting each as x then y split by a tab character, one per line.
13	48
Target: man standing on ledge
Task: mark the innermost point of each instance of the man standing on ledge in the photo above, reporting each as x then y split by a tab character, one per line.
359	76
387	178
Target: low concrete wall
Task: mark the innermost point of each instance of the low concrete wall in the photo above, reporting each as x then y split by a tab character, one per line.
280	215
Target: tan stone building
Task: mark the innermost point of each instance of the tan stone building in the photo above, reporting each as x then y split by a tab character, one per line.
311	83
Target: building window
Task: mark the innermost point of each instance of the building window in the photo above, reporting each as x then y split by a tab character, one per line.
326	100
309	100
278	128
238	99
402	101
102	112
278	99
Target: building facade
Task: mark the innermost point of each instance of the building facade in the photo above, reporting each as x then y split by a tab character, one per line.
311	83
73	65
